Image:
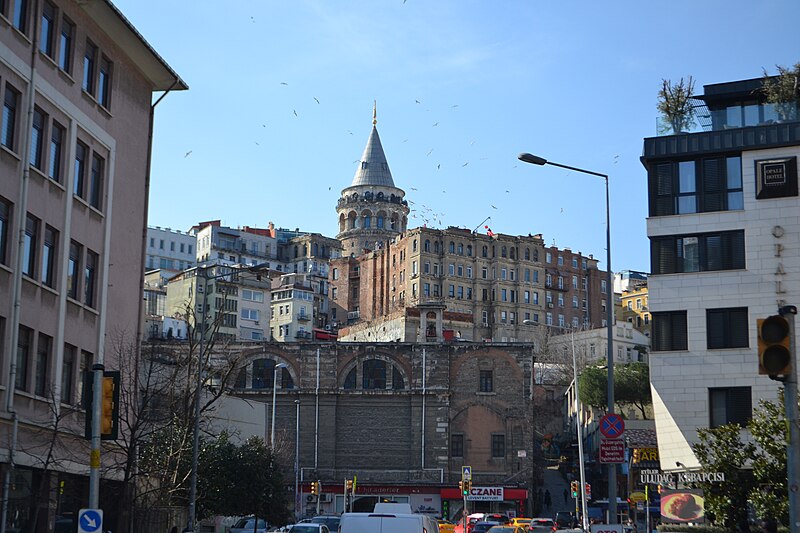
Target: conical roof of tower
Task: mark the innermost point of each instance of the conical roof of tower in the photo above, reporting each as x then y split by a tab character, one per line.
373	169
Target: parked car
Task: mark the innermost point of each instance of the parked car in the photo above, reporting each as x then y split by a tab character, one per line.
566	520
329	520
484	526
249	525
541	525
308	527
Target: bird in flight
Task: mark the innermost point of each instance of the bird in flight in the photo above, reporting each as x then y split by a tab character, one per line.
413	188
187	154
315	99
493	207
295	112
436	124
429	152
417	101
465	164
284	83
439	166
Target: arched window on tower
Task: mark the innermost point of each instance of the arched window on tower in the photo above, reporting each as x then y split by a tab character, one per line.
379	222
367	220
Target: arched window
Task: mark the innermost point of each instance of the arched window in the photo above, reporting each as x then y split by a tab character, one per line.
374	374
512	253
397	379
460	249
527	254
380	222
485	252
367	220
414	245
436	247
503	252
452	248
263	373
427	247
350	380
469	250
535	254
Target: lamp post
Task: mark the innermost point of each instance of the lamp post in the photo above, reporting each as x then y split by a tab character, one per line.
202	273
274	389
297	461
612	468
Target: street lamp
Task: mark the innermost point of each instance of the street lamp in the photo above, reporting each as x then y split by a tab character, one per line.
274	389
296	461
612	468
202	272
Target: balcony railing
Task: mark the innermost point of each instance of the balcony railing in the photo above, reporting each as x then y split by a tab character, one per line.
303	317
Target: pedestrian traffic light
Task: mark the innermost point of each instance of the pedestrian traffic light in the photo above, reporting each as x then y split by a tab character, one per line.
574	487
774	350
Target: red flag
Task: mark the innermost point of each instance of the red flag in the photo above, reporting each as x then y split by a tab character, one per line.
489	231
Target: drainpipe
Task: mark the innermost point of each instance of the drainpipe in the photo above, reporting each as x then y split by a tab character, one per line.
21	215
423	406
316	416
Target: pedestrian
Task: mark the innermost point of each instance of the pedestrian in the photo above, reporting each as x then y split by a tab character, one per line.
566	495
547	501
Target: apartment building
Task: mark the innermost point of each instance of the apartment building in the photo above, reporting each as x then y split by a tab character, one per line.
634	309
478	287
77	81
292	308
221	245
170	251
234	301
724	252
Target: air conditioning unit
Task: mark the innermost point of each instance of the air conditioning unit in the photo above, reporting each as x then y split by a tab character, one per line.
486	324
326	497
310	498
549	305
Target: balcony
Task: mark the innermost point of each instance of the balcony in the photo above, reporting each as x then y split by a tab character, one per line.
303	317
302	335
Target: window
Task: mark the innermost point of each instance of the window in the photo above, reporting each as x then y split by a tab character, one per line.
560	260
81	153
42	363
47	37
20	19
374	374
37	138
574	302
603	287
727	328
729	405
535	297
451	269
698	253
548	257
96	182
49	256
5	226
89	59
705	185
252	314
10	103
23	357
73	269
457	445
31	242
669	331
90	278
498	446
485	381
252	296
57	133
574	262
65	46
68	374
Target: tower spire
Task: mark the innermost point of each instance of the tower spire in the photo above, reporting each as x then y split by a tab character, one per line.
374	112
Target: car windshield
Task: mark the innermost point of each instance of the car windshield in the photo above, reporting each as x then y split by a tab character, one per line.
248	523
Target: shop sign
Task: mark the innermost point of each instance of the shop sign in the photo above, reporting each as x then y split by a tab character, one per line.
486	494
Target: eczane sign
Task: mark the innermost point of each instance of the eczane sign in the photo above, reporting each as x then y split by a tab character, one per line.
485	494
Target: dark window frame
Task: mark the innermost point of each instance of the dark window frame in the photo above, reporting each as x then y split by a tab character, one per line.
738	408
486	381
5	229
669	331
712	188
90	54
11	98
49	251
48	29
65	45
668	253
457	445
498	445
38	131
727	328
56	153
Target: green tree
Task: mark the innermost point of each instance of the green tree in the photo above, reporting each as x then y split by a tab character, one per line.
675	105
632	386
783	90
768	426
721	450
240	480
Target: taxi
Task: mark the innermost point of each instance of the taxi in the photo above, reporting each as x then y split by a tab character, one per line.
521	521
445	526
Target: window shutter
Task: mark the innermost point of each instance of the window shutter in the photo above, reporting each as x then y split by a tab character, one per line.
680	340
715	329
662	255
739	332
662	200
739	405
713	185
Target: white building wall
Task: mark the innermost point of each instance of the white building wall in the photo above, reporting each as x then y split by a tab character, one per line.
680	380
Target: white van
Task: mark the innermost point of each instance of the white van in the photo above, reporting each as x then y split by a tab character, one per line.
388	518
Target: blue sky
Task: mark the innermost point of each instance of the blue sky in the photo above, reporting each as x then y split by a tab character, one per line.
281	93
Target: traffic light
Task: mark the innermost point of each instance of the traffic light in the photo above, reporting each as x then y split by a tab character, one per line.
574	487
774	352
107	406
348	484
467	487
315	488
462	487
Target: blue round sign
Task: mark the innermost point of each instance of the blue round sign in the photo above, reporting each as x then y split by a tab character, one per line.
612	426
90	520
